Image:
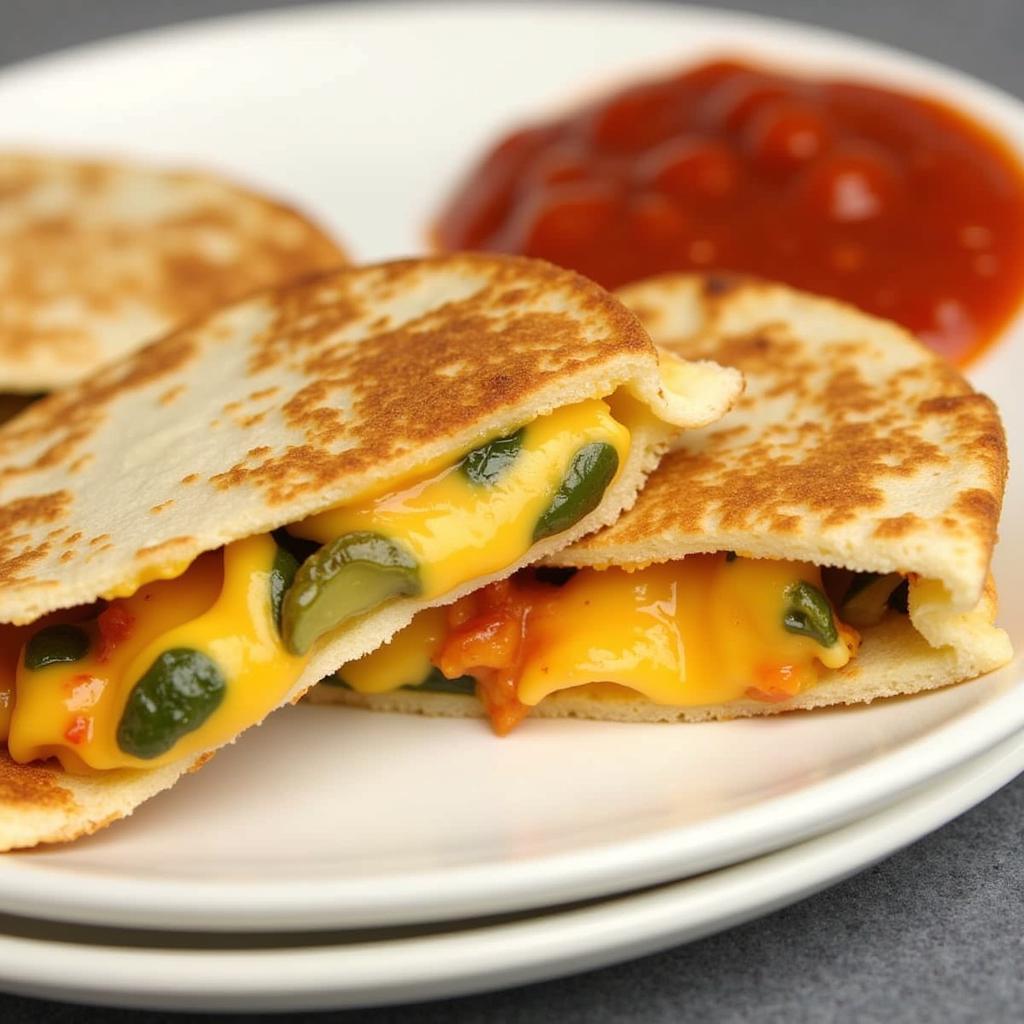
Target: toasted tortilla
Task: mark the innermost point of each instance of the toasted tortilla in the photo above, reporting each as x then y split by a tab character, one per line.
96	259
288	403
41	803
852	446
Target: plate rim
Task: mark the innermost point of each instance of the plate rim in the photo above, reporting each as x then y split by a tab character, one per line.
480	959
453	893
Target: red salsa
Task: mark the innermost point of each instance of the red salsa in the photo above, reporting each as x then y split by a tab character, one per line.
898	204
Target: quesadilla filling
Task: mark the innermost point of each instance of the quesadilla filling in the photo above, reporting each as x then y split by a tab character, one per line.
707	629
170	668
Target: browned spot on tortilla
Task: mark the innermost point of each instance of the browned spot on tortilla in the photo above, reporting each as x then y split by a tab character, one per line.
340	405
171	394
827	437
201	760
503	337
897	526
979	507
17	516
164	547
33	785
786	524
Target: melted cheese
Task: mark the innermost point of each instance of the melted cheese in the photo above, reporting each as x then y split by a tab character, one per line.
220	607
405	661
168	569
701	630
220	604
460	531
697	631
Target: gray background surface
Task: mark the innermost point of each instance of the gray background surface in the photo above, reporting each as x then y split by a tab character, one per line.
935	933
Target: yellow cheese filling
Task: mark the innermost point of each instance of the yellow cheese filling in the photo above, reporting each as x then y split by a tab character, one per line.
172	667
221	608
457	530
406	661
697	631
707	629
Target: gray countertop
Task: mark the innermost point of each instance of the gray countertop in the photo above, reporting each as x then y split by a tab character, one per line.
935	933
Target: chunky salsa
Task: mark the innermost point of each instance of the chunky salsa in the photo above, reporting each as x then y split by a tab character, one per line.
899	204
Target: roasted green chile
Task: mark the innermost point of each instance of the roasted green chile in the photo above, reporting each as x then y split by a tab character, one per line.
484	465
808	613
352	575
592	469
56	645
176	696
282	575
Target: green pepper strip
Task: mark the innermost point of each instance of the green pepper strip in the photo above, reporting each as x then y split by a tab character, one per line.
808	613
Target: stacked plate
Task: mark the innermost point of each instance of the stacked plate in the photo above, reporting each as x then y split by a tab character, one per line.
338	858
283	877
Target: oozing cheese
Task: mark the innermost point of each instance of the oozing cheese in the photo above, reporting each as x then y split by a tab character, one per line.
169	569
460	531
220	607
701	630
405	661
697	631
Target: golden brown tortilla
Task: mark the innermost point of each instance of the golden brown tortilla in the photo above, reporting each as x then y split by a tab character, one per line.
288	403
96	259
853	445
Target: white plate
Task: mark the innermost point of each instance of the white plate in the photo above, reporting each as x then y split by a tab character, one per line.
330	818
321	972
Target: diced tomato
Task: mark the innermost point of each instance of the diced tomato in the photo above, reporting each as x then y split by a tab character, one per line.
486	641
691	170
786	135
776	683
115	624
497	691
80	729
490	640
571	217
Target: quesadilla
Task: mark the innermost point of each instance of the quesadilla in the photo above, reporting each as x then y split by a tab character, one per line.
197	534
827	542
97	259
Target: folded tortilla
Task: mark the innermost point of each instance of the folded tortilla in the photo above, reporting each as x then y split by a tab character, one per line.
302	399
853	446
96	259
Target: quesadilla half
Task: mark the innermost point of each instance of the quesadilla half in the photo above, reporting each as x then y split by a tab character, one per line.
827	542
197	534
96	259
